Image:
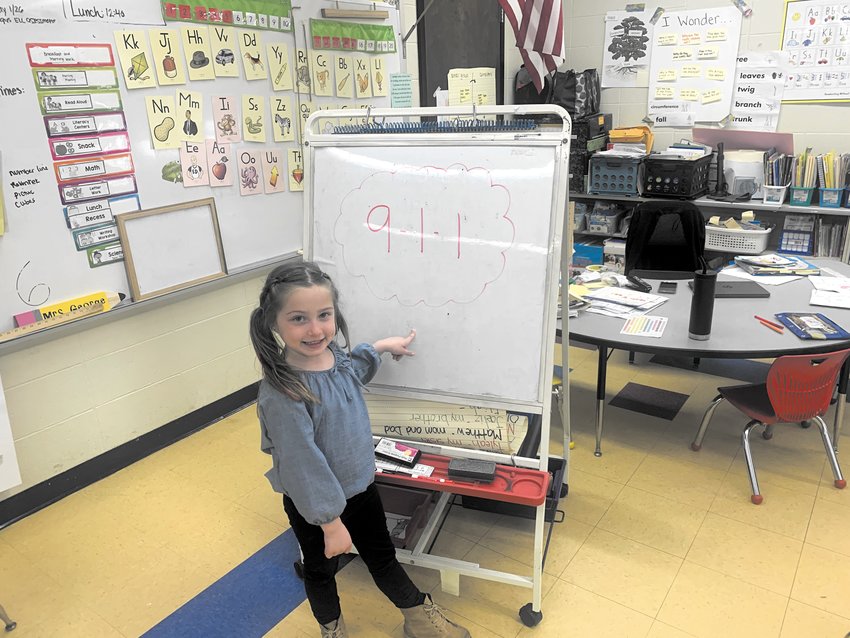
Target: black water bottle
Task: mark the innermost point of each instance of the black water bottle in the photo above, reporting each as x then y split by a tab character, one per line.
702	305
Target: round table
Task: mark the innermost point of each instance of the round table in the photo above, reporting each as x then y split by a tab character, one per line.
735	332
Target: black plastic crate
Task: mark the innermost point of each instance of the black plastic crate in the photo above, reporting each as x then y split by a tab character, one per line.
580	154
556	471
681	178
614	175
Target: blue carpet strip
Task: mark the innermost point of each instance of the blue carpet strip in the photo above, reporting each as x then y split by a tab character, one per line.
247	601
648	400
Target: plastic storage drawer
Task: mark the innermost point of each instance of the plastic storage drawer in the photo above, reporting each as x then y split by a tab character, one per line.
615	175
685	179
553	495
411	507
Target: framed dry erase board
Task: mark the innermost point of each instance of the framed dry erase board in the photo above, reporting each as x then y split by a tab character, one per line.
171	247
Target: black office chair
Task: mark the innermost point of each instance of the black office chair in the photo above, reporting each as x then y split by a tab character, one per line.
665	240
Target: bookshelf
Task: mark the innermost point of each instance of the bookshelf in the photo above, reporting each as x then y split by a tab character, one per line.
831	237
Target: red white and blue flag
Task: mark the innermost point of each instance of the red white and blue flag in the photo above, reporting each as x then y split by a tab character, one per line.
539	29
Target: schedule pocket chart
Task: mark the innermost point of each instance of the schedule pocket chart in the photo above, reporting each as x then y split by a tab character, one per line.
67	147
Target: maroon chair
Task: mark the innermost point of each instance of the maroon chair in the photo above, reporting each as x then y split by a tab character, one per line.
798	388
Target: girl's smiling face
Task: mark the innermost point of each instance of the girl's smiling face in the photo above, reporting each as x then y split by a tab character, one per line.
307	324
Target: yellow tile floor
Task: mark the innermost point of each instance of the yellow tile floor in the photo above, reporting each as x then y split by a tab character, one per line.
658	541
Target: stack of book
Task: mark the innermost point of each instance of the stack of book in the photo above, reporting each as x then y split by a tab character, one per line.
773	264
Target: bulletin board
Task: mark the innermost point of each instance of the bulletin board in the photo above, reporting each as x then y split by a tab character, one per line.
111	109
691	73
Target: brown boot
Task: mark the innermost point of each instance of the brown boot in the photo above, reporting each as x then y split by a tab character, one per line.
428	620
335	629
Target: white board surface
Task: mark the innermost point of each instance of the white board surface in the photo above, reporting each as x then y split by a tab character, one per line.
452	239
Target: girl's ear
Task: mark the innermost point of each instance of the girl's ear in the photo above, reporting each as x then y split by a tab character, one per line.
278	340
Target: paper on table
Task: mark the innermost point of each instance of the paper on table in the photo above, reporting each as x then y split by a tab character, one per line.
772	280
834	284
832	298
645	326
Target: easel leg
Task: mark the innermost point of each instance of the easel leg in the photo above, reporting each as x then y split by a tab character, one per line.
450	582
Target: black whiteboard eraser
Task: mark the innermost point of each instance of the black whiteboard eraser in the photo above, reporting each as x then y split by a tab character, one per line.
472	470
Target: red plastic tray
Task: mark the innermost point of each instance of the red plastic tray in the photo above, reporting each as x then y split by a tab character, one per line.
511	484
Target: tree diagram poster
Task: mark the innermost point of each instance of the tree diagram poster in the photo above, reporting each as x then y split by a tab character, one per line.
625	57
816	35
691	70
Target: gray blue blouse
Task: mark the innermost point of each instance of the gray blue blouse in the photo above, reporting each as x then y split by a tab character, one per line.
322	454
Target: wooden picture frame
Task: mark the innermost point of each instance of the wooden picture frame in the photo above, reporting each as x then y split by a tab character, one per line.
171	247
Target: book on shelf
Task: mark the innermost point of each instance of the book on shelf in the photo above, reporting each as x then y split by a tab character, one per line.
785	265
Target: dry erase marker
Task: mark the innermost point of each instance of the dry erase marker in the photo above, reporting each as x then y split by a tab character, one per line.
772	326
772	323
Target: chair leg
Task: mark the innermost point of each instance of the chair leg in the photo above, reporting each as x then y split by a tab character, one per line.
10	624
631	356
840	483
768	433
756	498
709	412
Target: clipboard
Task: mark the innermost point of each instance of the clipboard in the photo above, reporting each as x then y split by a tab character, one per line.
812	325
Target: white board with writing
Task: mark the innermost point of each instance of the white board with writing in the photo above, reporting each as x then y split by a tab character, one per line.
456	236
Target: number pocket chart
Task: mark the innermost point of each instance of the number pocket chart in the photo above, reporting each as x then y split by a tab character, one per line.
816	35
693	53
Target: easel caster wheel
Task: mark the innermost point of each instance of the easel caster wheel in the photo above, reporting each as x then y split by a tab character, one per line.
298	566
11	626
565	489
529	617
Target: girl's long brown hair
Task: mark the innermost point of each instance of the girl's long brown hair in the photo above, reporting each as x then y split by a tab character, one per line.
279	284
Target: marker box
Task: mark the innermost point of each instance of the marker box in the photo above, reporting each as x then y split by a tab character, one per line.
398	452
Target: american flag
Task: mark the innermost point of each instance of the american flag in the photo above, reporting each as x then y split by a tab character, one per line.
539	29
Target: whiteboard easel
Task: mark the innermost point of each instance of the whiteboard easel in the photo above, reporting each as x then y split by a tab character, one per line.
457	234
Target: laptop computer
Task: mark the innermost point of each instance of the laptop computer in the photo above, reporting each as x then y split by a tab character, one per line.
737	289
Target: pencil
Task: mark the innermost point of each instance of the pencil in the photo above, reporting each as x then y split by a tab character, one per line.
772	327
772	323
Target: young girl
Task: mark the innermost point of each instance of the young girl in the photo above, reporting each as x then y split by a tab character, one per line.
316	429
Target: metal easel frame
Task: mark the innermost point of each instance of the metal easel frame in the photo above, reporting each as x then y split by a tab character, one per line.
556	137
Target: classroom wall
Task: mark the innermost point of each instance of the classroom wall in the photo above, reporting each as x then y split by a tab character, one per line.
821	126
73	398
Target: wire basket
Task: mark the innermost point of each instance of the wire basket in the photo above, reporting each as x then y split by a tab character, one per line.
736	240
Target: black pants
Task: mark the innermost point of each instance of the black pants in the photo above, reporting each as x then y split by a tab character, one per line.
364	518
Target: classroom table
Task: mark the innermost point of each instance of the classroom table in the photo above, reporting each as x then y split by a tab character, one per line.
735	333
